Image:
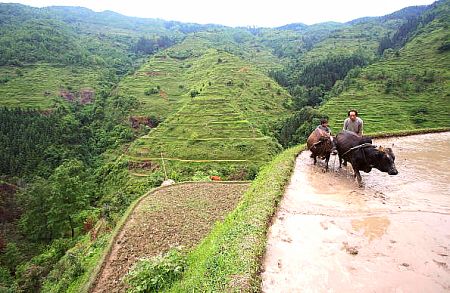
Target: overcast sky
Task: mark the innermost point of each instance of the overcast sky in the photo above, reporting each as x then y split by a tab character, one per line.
261	13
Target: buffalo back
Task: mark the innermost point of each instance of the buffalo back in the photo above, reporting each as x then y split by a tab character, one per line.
324	147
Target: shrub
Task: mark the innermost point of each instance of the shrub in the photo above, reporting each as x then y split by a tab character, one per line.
11	256
65	271
30	275
152	91
194	93
4	79
5	279
445	46
152	275
419	115
200	176
429	76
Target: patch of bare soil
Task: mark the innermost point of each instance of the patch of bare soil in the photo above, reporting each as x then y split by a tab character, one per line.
244	69
136	121
84	96
143	165
178	215
164	95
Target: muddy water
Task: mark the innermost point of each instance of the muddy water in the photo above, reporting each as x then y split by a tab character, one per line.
391	235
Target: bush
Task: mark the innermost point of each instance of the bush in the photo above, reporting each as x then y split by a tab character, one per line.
11	257
444	47
194	93
152	275
4	79
200	176
30	275
419	115
5	279
151	91
65	271
429	76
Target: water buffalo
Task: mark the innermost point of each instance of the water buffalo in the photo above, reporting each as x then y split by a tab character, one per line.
320	144
364	156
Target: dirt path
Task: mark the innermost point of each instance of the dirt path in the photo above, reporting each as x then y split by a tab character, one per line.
393	235
172	216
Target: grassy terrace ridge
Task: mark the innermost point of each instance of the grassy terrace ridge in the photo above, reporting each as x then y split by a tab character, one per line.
407	91
25	87
220	122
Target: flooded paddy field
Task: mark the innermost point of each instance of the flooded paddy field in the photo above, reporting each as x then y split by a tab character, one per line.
391	235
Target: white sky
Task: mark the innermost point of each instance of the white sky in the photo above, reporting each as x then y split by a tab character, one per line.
261	13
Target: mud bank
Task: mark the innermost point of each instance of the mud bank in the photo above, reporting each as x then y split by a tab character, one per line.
392	235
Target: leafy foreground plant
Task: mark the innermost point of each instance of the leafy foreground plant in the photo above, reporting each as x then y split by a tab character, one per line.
156	273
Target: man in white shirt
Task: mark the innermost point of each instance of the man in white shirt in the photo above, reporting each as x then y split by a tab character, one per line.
353	123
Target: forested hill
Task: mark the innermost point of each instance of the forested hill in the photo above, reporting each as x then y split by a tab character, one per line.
96	108
408	88
75	35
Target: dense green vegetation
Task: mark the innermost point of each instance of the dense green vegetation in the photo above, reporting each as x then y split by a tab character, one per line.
60	184
407	89
91	102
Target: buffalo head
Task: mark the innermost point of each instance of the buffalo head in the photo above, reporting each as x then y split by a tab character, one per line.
385	161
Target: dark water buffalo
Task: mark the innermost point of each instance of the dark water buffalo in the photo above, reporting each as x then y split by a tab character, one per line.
364	156
320	144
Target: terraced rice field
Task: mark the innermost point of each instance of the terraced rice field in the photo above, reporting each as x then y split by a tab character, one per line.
220	125
35	86
407	91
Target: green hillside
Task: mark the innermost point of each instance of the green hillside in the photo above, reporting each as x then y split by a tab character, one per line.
214	106
24	86
116	104
46	51
408	89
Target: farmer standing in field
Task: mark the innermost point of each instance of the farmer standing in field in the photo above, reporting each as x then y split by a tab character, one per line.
353	123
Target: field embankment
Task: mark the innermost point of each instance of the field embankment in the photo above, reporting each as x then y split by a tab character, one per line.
228	259
178	215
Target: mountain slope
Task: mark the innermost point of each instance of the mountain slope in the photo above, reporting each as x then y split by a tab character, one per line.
47	52
214	106
406	90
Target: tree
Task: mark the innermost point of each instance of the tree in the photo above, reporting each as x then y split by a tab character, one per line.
34	221
295	129
11	257
69	196
146	46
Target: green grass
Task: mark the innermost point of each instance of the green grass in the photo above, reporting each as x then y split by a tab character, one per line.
35	86
229	258
160	71
405	92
